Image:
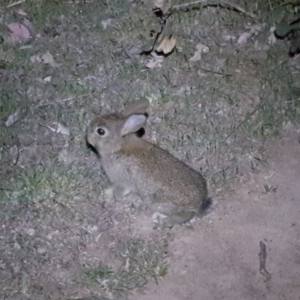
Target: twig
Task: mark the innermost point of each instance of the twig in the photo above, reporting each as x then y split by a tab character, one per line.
76	2
217	73
243	122
262	261
61	101
16	3
185	5
240	9
221	3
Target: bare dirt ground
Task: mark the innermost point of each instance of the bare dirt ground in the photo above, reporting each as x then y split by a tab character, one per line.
233	114
219	259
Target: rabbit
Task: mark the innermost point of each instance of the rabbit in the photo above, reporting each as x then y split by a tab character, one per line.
171	189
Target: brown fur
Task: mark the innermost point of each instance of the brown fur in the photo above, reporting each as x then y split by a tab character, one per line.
167	185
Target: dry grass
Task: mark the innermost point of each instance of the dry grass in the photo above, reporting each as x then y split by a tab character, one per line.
215	114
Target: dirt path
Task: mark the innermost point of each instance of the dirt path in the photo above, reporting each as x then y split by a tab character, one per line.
219	259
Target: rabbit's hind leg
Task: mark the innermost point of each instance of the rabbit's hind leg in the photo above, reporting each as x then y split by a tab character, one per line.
168	221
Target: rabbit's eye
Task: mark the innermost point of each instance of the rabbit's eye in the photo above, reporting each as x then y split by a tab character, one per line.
101	131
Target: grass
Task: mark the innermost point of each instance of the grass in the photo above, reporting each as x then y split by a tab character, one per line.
45	185
217	111
141	261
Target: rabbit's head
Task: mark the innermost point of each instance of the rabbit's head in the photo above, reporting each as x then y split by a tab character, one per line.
110	133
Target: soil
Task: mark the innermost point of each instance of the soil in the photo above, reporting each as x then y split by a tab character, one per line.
219	258
232	114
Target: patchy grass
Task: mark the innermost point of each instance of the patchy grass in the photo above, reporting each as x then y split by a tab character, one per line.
216	114
46	185
141	261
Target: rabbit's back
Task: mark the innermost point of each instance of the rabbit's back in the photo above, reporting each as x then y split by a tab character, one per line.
148	170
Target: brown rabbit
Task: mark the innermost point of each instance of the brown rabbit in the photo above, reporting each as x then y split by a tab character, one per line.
174	191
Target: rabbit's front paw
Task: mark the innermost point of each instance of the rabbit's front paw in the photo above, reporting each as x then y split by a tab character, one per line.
116	192
120	191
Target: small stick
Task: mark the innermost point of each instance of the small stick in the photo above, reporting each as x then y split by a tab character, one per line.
221	3
243	122
240	9
14	4
262	261
182	6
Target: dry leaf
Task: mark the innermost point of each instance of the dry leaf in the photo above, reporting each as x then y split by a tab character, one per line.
201	48
256	29
48	59
21	12
59	128
166	45
196	57
272	39
155	61
14	153
229	38
48	79
243	38
19	33
152	63
13	118
35	58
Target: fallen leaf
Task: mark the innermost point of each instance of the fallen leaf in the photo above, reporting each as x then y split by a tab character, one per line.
19	30
48	59
21	12
229	38
59	128
153	63
13	118
14	153
201	48
256	29
196	57
166	45
243	38
272	38
19	33
155	60
48	79
35	58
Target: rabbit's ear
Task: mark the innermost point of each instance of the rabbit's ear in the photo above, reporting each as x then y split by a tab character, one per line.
138	107
133	124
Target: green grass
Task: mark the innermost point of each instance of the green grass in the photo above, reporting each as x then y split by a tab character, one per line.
45	185
141	261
